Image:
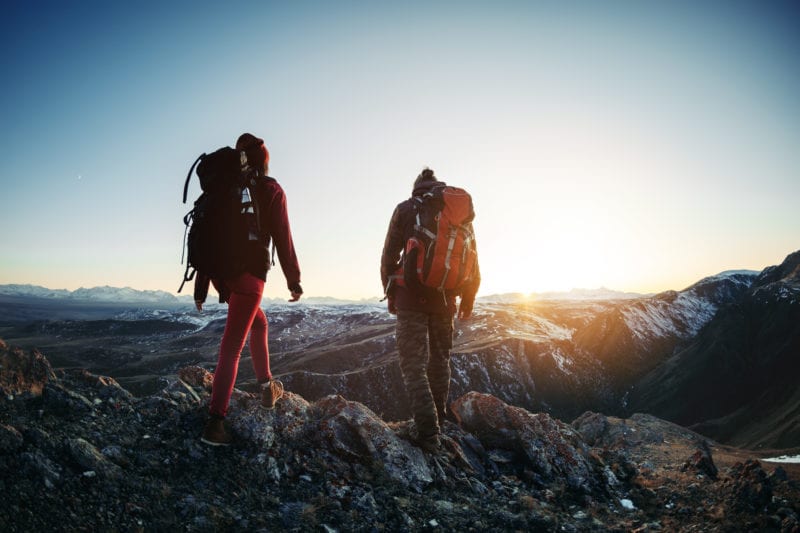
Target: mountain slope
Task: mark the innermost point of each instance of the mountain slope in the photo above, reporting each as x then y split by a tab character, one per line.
737	380
635	336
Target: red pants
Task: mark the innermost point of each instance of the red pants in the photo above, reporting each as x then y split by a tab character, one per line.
244	316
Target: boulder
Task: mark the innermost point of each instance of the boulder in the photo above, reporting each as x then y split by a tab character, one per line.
23	372
553	449
354	432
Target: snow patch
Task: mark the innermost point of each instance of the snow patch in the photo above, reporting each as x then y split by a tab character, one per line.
795	459
563	363
683	317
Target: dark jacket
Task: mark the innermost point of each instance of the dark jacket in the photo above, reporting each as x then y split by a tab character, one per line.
274	220
401	227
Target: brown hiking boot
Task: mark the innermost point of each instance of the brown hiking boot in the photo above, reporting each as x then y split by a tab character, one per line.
215	433
271	392
450	416
430	444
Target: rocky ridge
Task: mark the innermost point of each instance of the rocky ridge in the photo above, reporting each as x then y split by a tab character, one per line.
90	456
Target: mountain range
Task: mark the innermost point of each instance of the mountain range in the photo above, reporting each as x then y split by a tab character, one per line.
95	294
130	295
717	356
592	411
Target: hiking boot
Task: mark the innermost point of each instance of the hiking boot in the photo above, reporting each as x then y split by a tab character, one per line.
450	416
215	433
271	392
430	444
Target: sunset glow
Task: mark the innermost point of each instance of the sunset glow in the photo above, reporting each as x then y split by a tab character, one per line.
634	146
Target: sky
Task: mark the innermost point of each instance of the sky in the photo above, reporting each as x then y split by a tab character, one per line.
637	146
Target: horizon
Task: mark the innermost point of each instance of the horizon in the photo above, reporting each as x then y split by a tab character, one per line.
625	145
378	298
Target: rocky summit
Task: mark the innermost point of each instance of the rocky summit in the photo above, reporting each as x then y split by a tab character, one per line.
80	453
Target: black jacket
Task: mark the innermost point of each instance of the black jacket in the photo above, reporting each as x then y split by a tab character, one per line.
274	221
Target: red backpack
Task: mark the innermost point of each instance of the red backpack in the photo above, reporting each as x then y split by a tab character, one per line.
441	252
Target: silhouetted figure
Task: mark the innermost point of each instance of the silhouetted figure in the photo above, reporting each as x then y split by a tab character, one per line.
425	314
243	294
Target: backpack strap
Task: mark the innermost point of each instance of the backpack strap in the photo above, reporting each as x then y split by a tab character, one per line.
422	229
187	276
189	176
253	183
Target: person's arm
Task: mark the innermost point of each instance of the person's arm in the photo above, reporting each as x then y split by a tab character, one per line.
281	234
201	282
468	293
391	257
392	248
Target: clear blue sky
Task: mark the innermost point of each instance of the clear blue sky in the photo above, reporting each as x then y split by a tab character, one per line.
634	145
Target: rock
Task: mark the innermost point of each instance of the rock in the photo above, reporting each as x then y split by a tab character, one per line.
591	426
364	502
552	448
22	372
751	486
116	455
292	513
10	439
60	398
90	459
478	487
181	392
779	474
107	387
37	463
355	432
701	461
289	420
461	447
196	377
41	439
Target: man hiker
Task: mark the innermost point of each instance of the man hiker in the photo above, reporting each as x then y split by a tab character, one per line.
243	295
425	314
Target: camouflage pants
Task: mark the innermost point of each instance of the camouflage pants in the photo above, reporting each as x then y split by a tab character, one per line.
424	341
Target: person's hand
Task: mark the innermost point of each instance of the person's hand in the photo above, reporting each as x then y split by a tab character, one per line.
391	305
296	290
199	305
465	310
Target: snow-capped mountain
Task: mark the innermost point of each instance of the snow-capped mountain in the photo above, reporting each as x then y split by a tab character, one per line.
94	294
736	380
574	294
33	291
635	336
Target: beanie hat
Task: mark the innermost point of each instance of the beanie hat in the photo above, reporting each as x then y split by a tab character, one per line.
254	148
425	175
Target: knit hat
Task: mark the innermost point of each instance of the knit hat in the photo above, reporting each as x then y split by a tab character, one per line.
257	153
425	175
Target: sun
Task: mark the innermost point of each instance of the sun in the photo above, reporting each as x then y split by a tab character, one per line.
566	256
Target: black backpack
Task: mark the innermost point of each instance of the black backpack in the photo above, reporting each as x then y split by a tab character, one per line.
224	224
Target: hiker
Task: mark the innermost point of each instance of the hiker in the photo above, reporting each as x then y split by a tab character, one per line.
243	295
424	331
